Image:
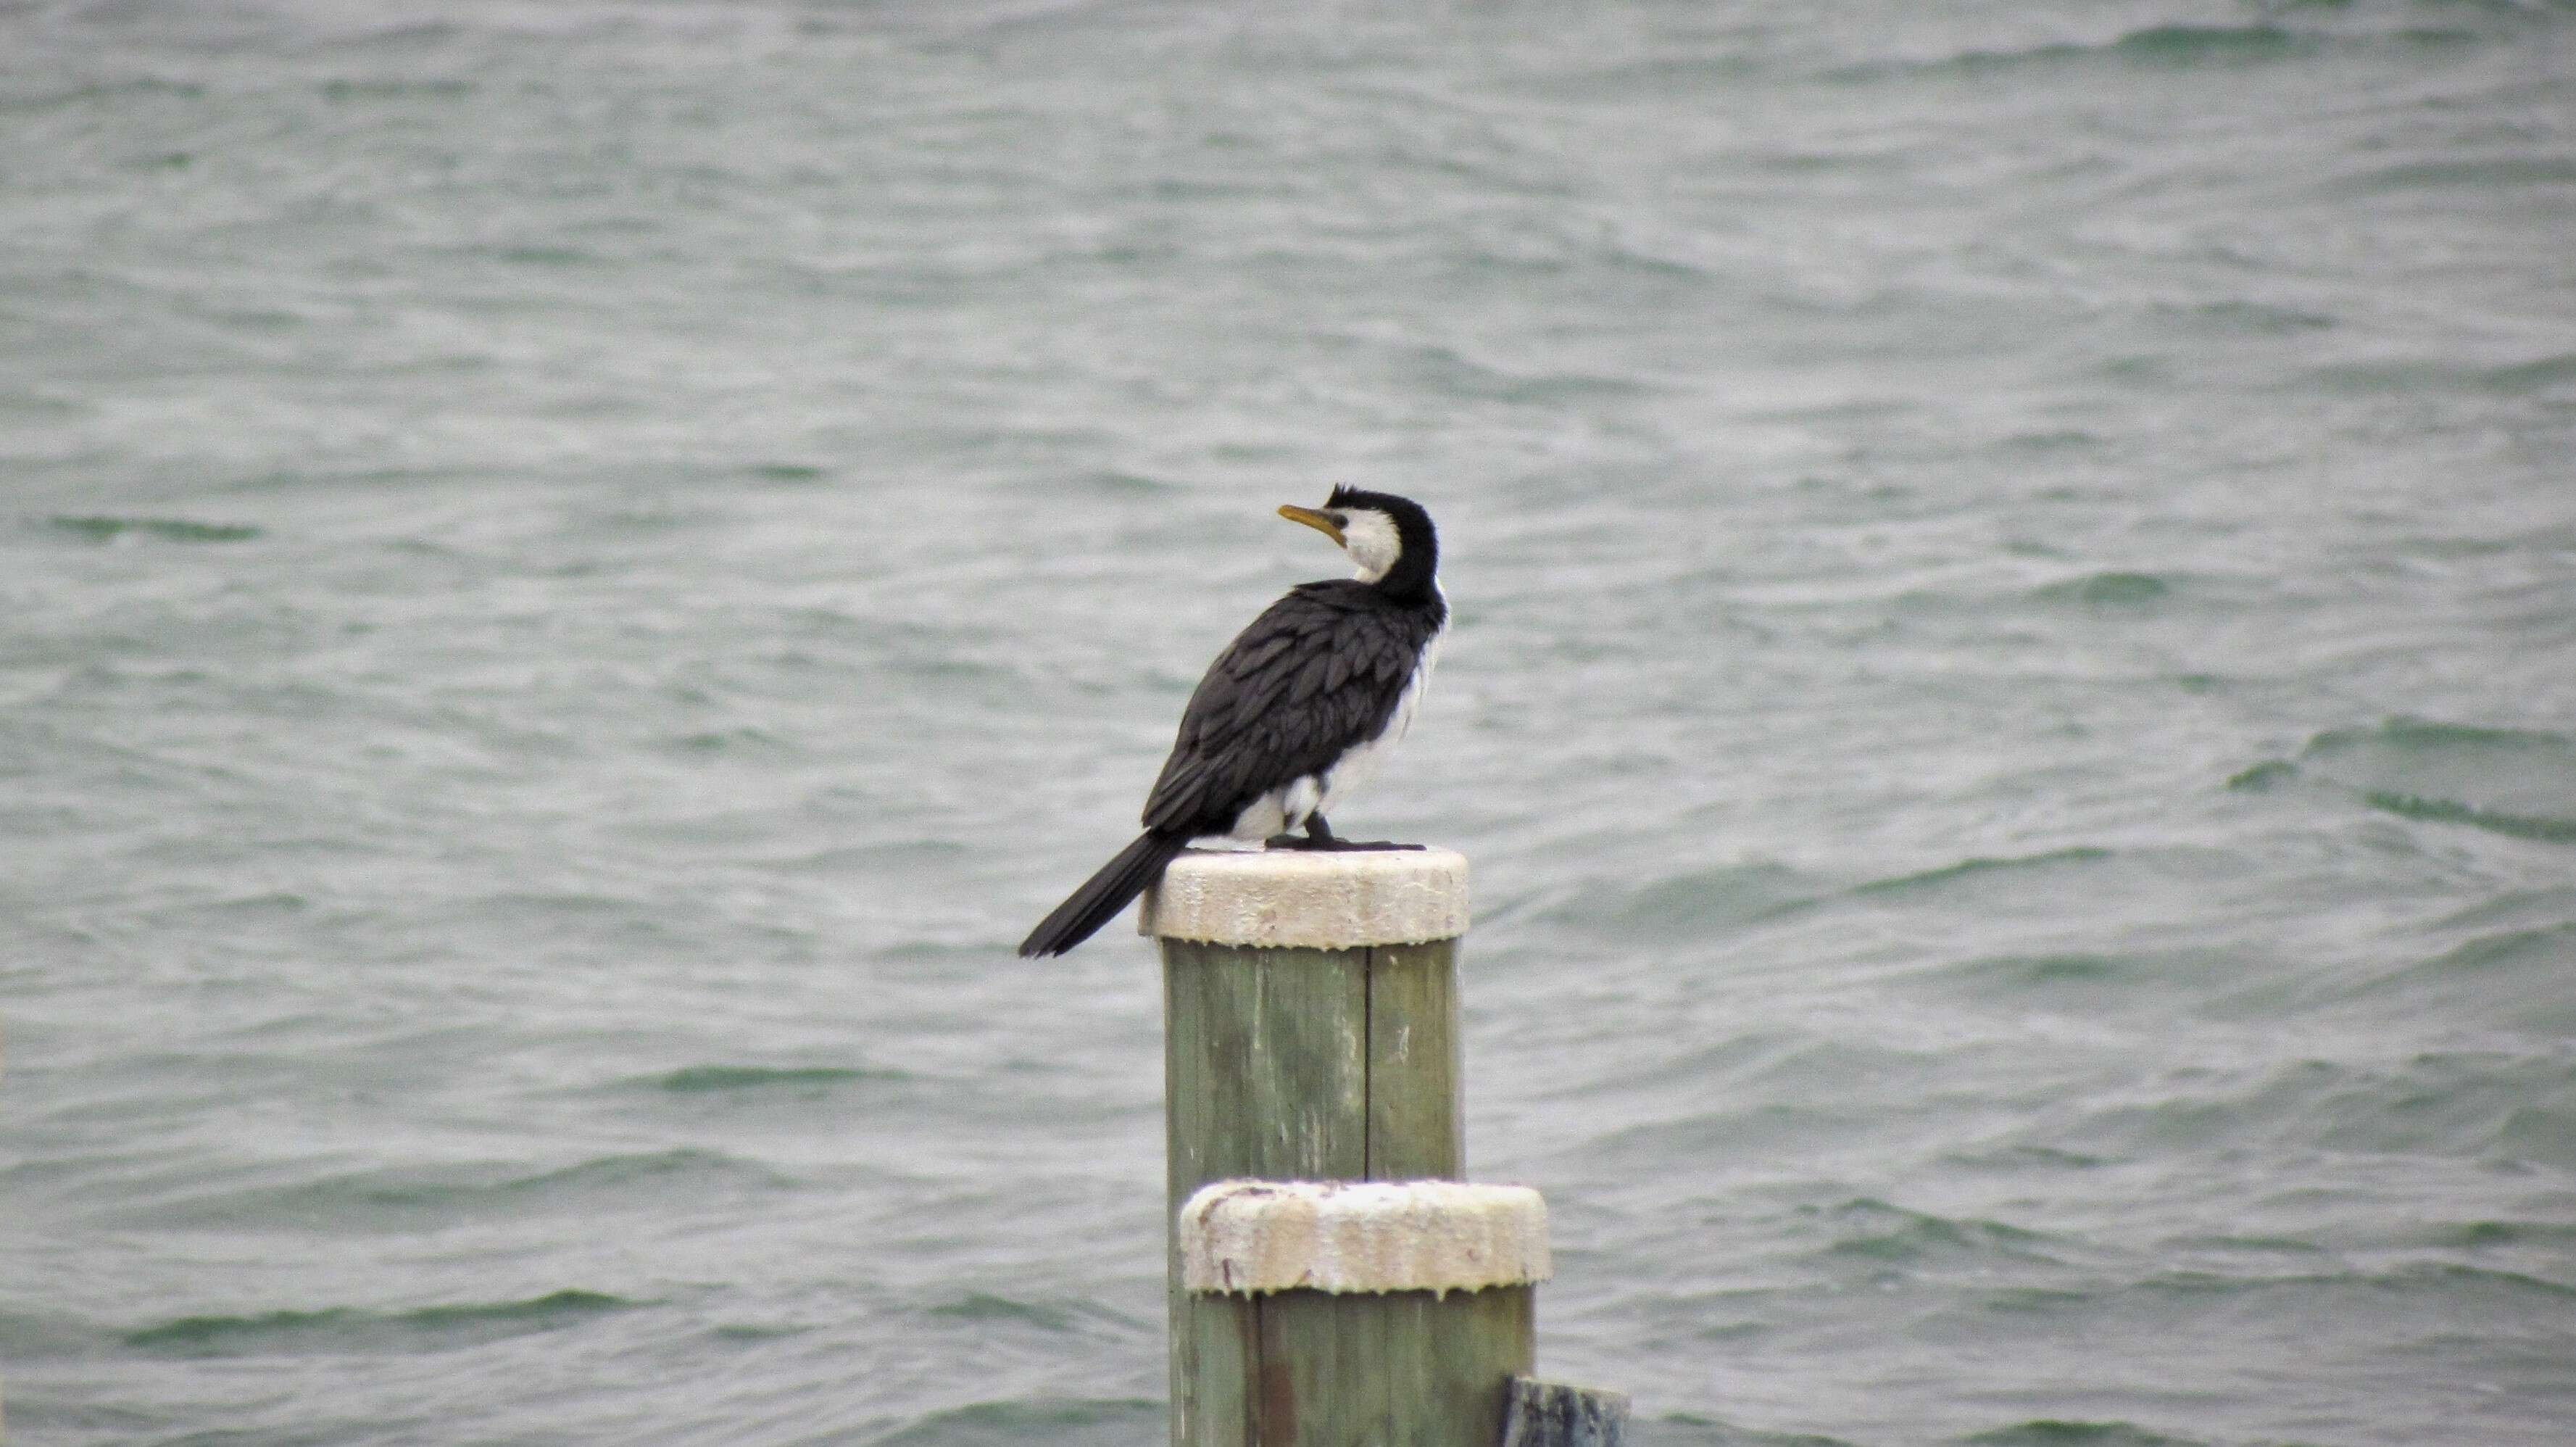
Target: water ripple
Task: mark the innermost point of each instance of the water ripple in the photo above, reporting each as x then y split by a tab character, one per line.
338	1331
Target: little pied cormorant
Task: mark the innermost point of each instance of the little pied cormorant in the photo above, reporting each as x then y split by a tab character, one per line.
1295	714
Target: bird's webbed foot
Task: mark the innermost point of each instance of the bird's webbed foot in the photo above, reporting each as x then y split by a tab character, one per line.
1319	836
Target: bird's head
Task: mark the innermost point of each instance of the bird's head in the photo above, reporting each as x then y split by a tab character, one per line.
1389	538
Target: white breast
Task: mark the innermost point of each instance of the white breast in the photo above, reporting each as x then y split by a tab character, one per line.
1356	767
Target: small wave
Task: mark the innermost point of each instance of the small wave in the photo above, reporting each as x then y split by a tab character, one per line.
2537	375
2062	439
984	1307
2426	734
708	1079
36	404
413	1199
2263	777
1740	1133
2265	319
1691	75
406	34
2549	373
2484	1280
1982	866
2025	1157
1071	1422
2481	175
2105	590
2476	1287
27	1336
2544	908
118	93
2515	782
168	530
2054	1432
745	1331
738	740
2539	1135
378	88
2457	1105
337	479
1716	1065
616	1173
553	256
2274	1246
2037	1300
1691	1427
2473	1235
1706	899
1893	1235
2447	811
2017	973
2163	45
349	1330
2194	43
787	472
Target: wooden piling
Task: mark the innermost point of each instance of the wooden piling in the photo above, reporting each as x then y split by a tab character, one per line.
1311	1035
1552	1414
1355	1314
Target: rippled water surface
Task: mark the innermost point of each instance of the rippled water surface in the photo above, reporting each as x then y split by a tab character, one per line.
573	576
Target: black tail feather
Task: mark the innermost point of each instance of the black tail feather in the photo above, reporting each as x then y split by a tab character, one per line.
1104	894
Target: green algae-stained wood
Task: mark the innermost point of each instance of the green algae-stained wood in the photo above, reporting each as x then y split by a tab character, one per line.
1311	1065
1211	1014
1290	1065
1416	1114
1496	1330
1265	1074
1394	1369
1265	1064
1310	1085
1216	1354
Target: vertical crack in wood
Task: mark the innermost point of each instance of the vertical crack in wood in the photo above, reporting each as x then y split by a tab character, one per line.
1368	1064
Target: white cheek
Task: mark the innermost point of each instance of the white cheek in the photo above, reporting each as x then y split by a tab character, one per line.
1370	539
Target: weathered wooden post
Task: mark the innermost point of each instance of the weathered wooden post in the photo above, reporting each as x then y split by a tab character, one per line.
1359	1313
1311	1037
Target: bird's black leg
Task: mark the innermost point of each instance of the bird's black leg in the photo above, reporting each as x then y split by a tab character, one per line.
1319	835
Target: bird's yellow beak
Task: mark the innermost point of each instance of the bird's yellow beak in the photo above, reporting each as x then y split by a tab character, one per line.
1321	522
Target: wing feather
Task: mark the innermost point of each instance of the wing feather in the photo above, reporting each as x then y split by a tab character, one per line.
1318	671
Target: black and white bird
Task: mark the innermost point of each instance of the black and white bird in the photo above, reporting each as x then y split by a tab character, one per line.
1296	712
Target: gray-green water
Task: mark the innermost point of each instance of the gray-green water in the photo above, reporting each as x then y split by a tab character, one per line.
574	575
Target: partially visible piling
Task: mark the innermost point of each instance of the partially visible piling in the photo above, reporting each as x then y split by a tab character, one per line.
1311	1037
1552	1414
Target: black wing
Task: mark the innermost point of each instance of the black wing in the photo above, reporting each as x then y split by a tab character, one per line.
1320	670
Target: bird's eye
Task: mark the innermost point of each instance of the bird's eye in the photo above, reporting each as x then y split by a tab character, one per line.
1340	519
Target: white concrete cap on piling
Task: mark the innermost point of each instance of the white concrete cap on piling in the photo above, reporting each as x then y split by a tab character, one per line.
1320	899
1361	1236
